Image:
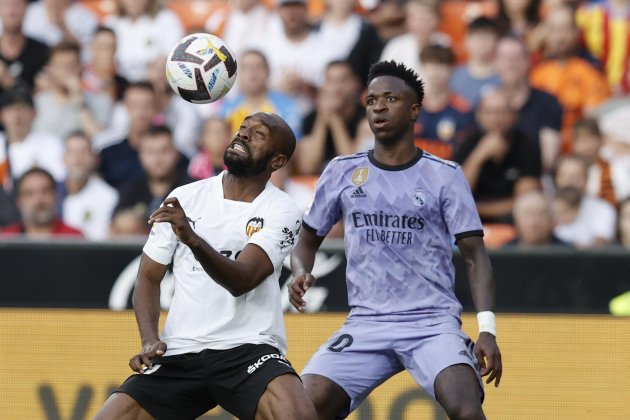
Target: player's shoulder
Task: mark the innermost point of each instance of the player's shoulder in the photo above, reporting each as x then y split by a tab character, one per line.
439	163
348	160
278	201
186	191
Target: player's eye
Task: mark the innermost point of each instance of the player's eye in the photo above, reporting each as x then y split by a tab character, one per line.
370	101
391	99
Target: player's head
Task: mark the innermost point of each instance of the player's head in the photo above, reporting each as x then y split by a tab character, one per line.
263	143
393	100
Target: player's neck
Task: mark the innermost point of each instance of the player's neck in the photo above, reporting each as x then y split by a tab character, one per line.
394	154
244	189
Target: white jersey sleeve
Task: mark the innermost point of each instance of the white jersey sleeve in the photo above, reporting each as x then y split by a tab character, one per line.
279	233
161	244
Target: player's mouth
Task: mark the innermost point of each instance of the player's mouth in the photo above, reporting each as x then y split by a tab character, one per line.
380	122
239	147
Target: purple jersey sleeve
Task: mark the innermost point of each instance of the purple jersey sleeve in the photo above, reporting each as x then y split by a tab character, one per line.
325	210
459	209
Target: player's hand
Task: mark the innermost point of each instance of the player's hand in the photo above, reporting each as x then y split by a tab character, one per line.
297	289
143	360
489	357
173	213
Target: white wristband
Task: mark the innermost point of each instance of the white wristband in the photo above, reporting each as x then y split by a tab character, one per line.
487	322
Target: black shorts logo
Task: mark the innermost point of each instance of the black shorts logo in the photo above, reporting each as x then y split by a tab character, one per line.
252	368
340	343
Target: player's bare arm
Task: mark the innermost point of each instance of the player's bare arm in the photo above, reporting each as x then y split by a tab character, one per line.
146	304
302	261
237	276
481	280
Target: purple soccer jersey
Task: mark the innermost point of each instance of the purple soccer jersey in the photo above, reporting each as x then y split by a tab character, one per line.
400	225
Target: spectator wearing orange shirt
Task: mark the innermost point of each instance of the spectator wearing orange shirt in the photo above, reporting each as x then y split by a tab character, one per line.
578	86
445	118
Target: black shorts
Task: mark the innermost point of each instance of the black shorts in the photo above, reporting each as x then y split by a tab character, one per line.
185	386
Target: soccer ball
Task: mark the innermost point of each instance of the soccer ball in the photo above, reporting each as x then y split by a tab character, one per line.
201	68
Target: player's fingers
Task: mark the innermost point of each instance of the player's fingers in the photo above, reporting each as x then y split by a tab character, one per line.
146	360
498	368
172	201
491	377
308	282
481	361
295	296
161	349
135	364
296	302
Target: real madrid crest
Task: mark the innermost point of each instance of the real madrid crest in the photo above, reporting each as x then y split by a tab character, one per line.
255	224
418	198
359	176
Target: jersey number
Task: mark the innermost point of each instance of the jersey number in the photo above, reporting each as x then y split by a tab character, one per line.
228	254
340	343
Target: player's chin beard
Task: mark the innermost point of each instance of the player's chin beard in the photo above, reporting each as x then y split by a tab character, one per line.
245	167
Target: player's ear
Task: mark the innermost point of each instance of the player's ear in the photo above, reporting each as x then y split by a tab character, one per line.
278	161
415	111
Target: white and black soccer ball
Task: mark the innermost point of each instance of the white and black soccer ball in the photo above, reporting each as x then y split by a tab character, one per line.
201	68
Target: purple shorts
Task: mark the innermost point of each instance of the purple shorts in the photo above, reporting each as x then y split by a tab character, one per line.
364	353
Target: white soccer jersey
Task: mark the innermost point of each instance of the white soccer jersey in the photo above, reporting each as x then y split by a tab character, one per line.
203	315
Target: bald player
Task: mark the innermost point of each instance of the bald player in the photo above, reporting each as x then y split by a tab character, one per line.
224	339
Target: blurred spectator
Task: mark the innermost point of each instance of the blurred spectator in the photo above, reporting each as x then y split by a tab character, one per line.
623	227
173	111
294	53
37	203
53	21
533	220
330	129
539	113
607	179
215	137
574	81
499	162
518	17
584	221
21	57
605	26
144	30
364	138
87	201
61	105
302	193
242	23
255	96
128	222
21	147
367	50
162	174
103	86
423	17
387	16
340	28
8	210
470	79
119	156
445	118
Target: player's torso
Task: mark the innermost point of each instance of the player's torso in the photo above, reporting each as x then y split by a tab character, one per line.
398	247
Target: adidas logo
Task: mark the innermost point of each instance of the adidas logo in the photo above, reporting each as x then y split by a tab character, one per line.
358	193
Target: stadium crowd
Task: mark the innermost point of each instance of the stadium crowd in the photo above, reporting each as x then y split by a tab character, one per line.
531	97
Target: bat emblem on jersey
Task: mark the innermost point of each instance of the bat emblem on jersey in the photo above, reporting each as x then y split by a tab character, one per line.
255	224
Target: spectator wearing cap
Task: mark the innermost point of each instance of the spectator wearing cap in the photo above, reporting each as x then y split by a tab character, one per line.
21	57
21	147
52	21
37	203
